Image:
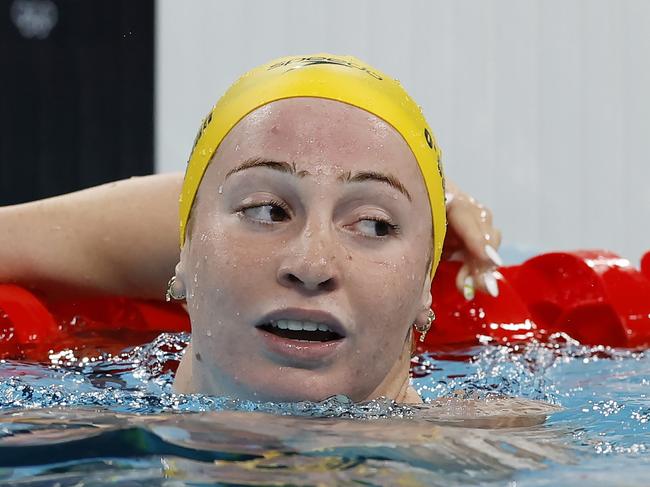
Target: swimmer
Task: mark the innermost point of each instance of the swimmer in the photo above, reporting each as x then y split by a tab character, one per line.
305	212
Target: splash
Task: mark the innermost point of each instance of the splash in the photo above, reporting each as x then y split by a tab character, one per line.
140	380
602	412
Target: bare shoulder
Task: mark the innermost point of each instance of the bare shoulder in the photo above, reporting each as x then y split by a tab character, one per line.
494	412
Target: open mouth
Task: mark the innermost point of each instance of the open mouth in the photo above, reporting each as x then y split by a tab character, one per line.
305	331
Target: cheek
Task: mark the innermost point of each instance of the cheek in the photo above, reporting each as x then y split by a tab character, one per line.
389	299
218	272
210	267
393	283
220	290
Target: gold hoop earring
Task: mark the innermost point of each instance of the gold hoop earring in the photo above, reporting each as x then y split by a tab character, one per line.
424	329
171	294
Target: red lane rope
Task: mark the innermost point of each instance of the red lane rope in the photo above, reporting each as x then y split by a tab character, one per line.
596	297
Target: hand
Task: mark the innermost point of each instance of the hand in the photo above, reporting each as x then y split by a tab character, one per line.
472	238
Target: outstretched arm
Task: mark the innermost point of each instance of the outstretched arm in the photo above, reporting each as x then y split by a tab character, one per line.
118	238
122	238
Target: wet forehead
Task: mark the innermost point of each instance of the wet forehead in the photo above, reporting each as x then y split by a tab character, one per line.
322	135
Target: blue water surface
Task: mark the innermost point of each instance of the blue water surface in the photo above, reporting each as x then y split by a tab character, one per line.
115	420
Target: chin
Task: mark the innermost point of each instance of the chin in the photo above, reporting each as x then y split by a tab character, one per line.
295	390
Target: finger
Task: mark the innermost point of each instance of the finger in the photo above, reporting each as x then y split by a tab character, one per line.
491	283
491	234
476	236
468	230
496	238
492	237
483	269
456	256
465	282
470	224
485	214
487	281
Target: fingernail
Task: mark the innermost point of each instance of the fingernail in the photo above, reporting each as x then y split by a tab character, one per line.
457	256
449	197
468	288
491	284
493	255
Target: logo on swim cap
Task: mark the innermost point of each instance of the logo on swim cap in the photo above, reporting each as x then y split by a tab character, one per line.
204	125
428	138
300	62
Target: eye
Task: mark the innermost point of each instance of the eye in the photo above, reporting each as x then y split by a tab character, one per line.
371	227
268	213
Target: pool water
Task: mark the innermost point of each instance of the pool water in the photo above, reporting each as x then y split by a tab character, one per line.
536	414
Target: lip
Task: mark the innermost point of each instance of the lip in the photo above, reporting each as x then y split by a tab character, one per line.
296	351
299	314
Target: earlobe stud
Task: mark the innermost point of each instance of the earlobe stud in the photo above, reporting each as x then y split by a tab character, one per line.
171	293
424	329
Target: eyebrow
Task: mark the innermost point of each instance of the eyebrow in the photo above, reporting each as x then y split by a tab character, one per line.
358	177
388	179
269	164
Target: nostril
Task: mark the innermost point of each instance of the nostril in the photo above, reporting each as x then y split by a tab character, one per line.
292	278
328	285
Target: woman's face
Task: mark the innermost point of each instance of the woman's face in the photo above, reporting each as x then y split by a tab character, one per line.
305	265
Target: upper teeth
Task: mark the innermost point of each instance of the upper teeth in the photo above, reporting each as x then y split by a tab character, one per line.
300	325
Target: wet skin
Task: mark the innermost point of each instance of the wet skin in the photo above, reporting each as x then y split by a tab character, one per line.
295	219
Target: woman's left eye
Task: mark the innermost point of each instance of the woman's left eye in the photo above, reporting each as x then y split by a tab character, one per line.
375	227
267	213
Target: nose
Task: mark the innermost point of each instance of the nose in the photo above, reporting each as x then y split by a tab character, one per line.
310	264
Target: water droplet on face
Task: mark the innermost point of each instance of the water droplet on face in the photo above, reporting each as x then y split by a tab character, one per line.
237	148
208	333
220	191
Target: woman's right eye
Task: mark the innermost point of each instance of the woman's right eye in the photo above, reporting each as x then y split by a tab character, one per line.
267	213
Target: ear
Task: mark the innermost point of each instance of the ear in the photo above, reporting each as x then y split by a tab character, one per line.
179	286
425	301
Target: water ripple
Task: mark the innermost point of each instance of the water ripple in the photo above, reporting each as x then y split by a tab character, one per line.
602	392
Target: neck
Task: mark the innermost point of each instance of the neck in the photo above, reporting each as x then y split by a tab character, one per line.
396	385
183	378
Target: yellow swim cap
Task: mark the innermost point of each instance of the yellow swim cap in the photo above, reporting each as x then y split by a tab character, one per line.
340	78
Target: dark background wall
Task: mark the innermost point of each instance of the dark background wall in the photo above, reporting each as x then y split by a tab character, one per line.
76	94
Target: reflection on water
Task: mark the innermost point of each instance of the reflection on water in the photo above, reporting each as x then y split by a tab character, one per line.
580	413
238	447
